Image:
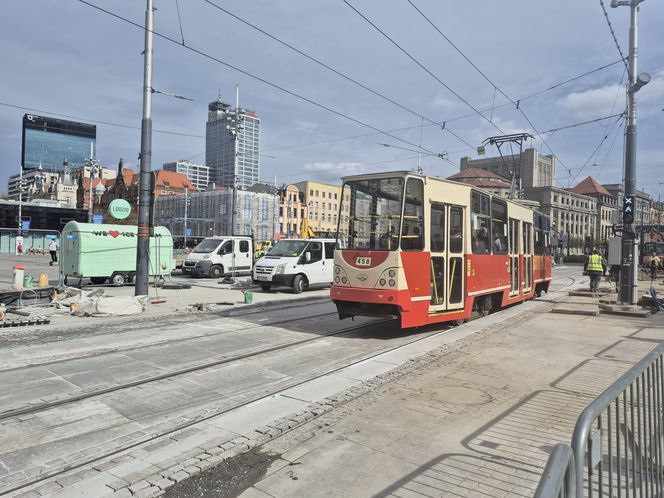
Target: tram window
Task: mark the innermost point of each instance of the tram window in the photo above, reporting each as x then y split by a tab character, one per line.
527	230
456	229
374	213
412	236
499	226
481	223
437	228
540	242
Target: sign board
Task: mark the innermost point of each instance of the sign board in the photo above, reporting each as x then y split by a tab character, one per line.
98	219
119	209
188	232
25	224
628	209
480	150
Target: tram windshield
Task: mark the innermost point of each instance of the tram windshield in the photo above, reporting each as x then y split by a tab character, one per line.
371	213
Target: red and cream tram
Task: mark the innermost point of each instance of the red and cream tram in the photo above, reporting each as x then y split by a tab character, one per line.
428	250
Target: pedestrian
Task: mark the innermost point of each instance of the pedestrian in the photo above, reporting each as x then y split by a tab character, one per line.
654	263
594	267
53	249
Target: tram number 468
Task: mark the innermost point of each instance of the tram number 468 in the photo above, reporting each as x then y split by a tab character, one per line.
363	261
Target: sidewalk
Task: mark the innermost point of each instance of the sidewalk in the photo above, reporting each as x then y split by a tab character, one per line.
204	295
477	418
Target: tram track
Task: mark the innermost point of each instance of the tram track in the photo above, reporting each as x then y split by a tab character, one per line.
222	411
36	408
213	411
120	350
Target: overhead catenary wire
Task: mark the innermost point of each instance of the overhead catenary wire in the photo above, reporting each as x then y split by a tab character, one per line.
615	38
408	128
333	70
177	6
255	77
596	150
582	123
427	70
496	87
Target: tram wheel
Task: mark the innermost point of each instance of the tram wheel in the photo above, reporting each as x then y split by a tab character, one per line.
485	306
460	321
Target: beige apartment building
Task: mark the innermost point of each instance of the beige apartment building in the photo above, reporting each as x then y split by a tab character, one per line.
322	201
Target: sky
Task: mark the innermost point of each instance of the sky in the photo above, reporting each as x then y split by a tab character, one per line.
68	59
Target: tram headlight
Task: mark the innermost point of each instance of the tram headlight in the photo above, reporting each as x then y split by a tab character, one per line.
344	280
392	273
392	283
382	282
337	270
337	280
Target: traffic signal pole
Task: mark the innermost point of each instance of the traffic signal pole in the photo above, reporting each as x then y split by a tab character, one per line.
145	185
629	264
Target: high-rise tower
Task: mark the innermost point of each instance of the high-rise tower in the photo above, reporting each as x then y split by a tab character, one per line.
232	141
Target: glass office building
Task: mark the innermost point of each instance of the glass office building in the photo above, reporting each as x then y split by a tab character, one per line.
49	142
220	154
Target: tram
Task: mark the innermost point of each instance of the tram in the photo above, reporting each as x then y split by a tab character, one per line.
427	250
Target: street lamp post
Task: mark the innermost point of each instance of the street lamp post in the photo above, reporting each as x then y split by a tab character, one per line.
628	272
21	187
95	168
186	205
145	183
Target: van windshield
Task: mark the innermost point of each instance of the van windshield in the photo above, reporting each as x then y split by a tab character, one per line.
288	248
208	245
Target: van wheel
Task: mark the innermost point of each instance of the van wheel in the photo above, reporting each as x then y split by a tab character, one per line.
299	284
266	287
98	280
216	271
118	279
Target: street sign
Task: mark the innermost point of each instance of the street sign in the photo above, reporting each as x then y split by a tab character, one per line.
25	224
119	209
188	232
628	209
98	219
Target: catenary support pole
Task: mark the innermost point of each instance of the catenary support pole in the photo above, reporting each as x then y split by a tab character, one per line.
144	197
628	276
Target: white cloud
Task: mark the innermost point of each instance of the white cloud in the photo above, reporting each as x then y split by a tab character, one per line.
442	102
594	103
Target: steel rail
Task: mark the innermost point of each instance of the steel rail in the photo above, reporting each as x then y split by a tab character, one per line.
32	409
104	352
222	411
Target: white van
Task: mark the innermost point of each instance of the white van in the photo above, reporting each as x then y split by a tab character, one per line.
218	256
297	263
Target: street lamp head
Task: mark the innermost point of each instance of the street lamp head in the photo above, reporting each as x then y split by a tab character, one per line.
641	80
619	3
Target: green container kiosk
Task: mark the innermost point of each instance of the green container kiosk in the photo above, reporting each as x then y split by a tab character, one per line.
108	252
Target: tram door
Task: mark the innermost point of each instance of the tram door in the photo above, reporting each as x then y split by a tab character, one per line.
447	272
527	257
514	257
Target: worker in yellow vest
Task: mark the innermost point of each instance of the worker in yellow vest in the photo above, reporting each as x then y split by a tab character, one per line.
595	268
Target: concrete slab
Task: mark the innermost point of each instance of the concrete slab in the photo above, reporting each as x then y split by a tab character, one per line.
575	310
259	413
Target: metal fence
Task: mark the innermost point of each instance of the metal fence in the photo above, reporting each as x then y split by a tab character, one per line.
617	442
559	478
33	240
